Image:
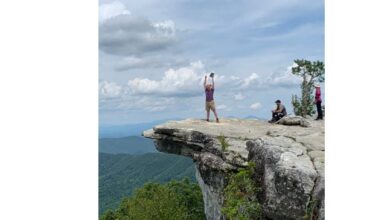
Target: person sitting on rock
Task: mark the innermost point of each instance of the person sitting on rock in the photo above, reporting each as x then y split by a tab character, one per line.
279	112
209	91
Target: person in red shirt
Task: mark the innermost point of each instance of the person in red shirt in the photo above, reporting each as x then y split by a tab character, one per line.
318	102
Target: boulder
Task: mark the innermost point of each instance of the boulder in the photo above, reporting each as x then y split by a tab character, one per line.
294	120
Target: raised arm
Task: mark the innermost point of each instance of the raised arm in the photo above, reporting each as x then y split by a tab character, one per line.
212	80
204	83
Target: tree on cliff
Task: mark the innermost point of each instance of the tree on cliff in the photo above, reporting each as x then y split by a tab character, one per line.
240	196
175	200
310	71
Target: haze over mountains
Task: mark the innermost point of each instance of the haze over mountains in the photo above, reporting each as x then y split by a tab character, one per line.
126	145
126	130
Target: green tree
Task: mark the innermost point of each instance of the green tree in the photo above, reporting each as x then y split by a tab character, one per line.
176	200
310	71
240	202
190	196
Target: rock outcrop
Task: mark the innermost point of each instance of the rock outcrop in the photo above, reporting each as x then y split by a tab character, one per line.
289	162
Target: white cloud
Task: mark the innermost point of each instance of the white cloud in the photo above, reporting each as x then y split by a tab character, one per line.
255	106
184	81
239	96
187	81
166	28
110	10
109	89
133	62
155	108
249	80
222	106
285	78
149	62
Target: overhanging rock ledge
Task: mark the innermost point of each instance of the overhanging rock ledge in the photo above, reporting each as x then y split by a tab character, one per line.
289	162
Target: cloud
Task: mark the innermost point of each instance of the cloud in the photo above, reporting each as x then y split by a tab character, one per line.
114	97
155	108
239	96
184	81
300	32
285	78
149	62
222	106
252	79
110	10
134	63
255	106
129	35
109	89
187	82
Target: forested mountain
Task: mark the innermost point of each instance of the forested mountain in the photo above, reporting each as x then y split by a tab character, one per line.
121	174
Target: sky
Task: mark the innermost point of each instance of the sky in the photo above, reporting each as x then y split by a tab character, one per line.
154	54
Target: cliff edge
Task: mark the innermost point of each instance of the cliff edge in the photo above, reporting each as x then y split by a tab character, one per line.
289	162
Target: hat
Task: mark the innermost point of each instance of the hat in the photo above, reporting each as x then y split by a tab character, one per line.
211	75
278	101
317	85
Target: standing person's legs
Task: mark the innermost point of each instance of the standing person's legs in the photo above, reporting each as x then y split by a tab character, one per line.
208	110
319	110
214	111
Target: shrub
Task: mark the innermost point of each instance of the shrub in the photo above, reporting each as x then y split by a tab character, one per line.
240	200
223	142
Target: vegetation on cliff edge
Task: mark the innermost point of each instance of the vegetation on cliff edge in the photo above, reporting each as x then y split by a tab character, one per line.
176	200
310	73
240	202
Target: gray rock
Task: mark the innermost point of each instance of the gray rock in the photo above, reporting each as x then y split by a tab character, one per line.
289	161
294	120
287	179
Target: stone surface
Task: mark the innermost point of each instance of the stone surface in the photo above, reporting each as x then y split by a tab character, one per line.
294	120
289	161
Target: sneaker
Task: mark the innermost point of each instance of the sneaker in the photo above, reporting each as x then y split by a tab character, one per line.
217	120
207	120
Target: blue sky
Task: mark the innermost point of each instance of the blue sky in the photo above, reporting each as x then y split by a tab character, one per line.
154	54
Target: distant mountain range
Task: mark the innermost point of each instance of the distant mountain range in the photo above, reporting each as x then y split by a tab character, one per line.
126	145
247	117
117	131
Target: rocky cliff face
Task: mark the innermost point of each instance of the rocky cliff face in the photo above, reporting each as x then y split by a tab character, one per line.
289	162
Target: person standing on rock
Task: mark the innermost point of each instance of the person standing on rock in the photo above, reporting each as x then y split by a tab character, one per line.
318	101
209	91
279	112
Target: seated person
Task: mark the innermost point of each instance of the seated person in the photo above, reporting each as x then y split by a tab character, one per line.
278	113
